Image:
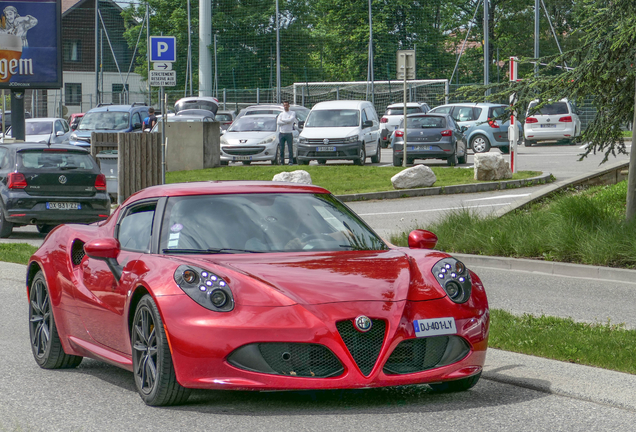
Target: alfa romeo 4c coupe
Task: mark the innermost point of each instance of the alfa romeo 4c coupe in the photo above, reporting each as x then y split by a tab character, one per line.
253	286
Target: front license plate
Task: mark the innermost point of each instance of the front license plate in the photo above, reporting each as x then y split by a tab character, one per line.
548	126
434	327
242	158
63	206
330	149
420	148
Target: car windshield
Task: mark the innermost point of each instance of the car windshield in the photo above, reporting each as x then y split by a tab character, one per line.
400	111
422	122
556	108
47	160
254	124
195	104
105	120
333	118
224	117
272	222
38	128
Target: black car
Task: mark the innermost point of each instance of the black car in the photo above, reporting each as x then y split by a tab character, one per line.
7	119
430	136
46	186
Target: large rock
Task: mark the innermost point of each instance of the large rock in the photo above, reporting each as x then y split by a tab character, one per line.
418	176
298	176
491	166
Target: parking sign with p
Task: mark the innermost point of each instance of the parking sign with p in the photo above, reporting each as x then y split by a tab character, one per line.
163	49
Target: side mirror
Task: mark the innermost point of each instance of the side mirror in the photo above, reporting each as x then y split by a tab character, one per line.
59	133
107	250
367	124
464	128
301	124
422	239
137	126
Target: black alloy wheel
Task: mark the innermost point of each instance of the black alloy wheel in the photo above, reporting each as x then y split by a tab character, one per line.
45	342
456	386
376	158
362	157
152	363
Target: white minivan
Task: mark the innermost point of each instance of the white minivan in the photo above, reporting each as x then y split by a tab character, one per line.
340	130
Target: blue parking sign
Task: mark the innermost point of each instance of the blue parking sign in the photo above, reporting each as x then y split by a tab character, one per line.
163	49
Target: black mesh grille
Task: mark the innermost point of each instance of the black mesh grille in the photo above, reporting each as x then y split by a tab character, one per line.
416	355
300	359
77	252
364	347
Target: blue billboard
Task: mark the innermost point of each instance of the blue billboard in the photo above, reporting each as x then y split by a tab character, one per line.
30	44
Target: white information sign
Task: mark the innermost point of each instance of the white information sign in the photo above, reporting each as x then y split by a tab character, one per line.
163	78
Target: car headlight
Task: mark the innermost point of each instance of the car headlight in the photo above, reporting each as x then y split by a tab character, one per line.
224	140
205	288
352	139
303	140
268	140
453	276
73	136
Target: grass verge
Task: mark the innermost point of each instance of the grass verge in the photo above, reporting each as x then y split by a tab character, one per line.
338	179
604	345
578	226
18	253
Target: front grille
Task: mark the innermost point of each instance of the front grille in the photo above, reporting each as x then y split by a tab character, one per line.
321	141
364	347
417	355
243	151
290	359
77	252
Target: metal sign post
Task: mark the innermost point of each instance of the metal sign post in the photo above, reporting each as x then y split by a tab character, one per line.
405	70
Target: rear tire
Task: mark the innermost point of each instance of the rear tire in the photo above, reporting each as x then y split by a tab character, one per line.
505	149
397	161
456	386
305	162
45	228
452	160
5	227
322	162
376	158
480	144
362	157
45	341
527	143
153	369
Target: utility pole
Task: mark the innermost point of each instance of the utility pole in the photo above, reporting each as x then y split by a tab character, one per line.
486	46
277	55
536	37
205	39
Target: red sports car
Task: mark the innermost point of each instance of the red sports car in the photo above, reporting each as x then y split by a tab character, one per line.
253	286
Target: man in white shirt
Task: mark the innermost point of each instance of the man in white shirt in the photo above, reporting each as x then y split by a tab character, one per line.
286	122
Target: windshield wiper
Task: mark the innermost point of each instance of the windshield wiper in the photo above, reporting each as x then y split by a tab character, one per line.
210	251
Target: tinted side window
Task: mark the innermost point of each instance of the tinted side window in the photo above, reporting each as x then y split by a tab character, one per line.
465	113
364	116
136	118
135	229
442	110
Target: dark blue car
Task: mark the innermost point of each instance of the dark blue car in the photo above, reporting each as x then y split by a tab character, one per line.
109	118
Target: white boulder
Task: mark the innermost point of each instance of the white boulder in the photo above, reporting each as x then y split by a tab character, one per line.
491	166
298	176
417	176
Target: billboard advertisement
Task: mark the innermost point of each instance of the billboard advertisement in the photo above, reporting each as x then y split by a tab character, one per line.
30	44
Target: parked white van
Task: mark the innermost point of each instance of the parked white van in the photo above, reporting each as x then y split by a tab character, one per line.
340	130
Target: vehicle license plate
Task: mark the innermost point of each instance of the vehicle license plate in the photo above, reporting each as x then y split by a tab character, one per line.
330	149
421	147
548	125
239	158
63	206
434	327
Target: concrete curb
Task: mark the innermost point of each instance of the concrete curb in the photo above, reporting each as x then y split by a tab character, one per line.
549	267
447	190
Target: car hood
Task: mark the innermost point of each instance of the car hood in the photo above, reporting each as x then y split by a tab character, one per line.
37	138
235	138
334	277
329	132
87	133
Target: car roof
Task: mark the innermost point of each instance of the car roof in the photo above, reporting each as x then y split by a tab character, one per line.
408	104
198	98
224	187
341	104
40	146
472	104
117	108
32	120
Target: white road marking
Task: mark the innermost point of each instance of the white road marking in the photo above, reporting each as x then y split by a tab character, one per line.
432	210
499	197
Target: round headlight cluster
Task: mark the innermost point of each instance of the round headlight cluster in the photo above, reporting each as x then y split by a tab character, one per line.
453	276
204	287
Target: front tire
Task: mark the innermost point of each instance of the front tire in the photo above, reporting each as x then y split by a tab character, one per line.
152	363
362	157
480	144
456	386
376	157
45	341
246	162
276	159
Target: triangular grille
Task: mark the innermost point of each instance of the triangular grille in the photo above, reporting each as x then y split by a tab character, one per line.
364	347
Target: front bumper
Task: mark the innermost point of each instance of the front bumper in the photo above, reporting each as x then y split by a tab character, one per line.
350	151
201	341
24	209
